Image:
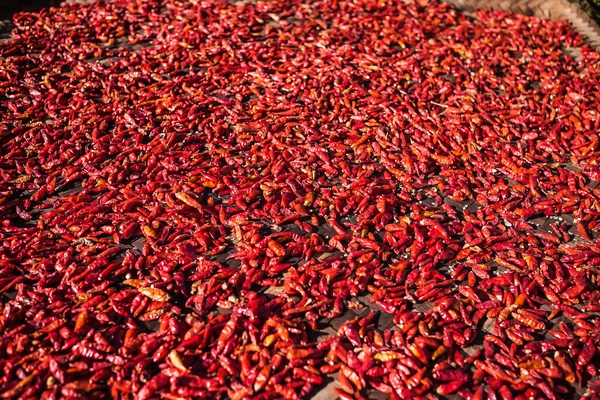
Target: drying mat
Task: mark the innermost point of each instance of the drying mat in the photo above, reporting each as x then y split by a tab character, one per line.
551	9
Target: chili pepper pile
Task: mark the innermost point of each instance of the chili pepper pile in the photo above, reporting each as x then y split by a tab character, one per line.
193	193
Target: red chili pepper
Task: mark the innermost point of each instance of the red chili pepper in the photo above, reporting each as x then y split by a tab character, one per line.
402	157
